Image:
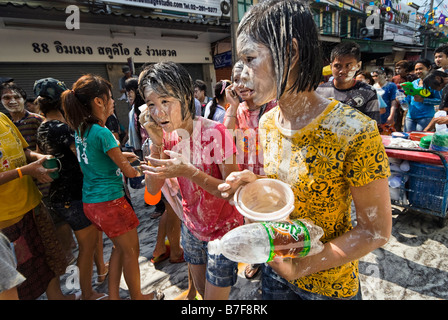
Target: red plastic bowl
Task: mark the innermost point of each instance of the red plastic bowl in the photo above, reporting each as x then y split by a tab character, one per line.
417	135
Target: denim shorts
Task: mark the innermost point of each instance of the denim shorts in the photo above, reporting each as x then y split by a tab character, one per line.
71	212
220	271
416	124
275	287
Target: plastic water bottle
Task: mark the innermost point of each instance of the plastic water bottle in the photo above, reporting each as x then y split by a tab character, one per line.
260	242
405	166
400	96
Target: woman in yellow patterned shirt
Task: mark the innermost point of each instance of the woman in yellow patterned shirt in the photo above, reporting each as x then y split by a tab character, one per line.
326	151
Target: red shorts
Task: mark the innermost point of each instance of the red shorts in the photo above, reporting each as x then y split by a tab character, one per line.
114	217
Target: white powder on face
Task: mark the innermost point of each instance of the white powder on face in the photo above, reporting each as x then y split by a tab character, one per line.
351	73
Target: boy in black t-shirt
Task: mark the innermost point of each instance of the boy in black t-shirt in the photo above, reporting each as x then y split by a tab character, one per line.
345	63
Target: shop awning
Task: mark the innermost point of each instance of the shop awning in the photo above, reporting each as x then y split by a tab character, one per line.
373	49
373	46
407	48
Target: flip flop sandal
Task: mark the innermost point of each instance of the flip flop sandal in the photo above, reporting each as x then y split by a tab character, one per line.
162	257
102	297
98	282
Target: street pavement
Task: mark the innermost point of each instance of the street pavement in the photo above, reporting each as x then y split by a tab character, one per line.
413	265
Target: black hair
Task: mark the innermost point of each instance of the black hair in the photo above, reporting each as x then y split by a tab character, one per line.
77	103
348	48
431	80
443	49
170	79
424	62
274	24
46	105
366	75
379	70
389	71
200	85
131	84
220	93
13	87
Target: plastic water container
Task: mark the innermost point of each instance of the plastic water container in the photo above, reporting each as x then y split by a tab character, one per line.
439	142
440	127
265	200
395	181
405	166
400	96
425	142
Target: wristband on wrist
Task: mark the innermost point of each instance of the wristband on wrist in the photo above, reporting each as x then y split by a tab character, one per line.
20	173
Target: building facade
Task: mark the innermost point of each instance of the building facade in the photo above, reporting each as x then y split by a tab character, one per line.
66	39
387	31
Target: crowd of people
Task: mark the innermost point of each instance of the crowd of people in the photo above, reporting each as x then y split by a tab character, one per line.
379	93
275	118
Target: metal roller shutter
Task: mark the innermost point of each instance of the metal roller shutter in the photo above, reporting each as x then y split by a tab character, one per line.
24	74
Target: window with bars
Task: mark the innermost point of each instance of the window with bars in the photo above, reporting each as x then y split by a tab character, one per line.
354	27
243	6
344	26
316	17
327	22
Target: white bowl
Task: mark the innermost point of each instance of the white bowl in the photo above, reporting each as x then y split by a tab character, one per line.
265	200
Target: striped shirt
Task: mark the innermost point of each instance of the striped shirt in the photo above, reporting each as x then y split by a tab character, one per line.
28	126
361	96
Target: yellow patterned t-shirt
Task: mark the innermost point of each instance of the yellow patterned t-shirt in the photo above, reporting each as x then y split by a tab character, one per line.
20	195
339	149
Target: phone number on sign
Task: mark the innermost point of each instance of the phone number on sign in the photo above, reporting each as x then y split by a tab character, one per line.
200	8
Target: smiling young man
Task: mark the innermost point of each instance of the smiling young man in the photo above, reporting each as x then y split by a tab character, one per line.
345	62
441	57
421	109
13	99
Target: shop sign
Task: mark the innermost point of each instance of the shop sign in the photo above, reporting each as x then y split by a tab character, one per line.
39	48
405	16
115	50
222	60
398	33
204	7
